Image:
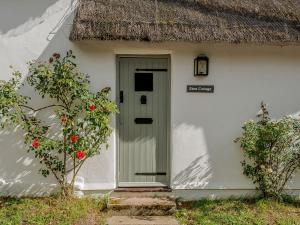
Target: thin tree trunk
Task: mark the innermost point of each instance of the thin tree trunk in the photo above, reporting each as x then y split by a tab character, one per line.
65	162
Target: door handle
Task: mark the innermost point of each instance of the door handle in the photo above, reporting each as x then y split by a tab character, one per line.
143	99
143	120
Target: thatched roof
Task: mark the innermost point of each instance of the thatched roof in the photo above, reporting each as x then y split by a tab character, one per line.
230	21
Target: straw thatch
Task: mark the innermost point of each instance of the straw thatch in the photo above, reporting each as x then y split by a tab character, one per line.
231	21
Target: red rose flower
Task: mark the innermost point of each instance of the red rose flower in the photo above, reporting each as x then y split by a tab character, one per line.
92	107
64	119
80	155
74	138
35	143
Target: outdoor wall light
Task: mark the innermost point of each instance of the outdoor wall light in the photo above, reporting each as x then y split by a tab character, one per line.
201	66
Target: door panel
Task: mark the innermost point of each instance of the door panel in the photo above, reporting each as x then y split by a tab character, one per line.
143	119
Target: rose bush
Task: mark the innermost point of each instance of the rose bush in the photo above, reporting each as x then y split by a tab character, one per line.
83	116
272	152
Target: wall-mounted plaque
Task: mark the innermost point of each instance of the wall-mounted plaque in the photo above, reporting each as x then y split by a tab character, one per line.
201	88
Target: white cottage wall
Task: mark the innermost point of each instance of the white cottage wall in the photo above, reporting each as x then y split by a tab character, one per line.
203	126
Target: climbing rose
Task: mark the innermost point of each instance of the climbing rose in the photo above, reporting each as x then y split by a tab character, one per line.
92	107
35	143
74	138
80	155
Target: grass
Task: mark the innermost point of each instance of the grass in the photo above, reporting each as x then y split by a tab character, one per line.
51	211
58	211
239	212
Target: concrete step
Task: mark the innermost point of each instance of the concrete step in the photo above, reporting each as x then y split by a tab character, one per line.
141	206
142	220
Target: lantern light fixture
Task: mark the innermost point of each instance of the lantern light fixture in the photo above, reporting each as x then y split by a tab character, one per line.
201	64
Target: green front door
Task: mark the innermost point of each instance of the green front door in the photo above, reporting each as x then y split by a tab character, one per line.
143	121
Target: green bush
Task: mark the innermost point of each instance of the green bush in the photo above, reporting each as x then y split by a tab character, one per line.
272	152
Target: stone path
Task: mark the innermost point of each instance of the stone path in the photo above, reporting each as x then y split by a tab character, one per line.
142	220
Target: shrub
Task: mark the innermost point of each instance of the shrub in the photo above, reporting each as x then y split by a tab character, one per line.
83	116
272	152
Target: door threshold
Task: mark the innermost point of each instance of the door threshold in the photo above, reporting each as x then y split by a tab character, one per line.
143	189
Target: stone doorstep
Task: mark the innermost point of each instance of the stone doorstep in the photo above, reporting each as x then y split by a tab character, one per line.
161	203
142	220
150	194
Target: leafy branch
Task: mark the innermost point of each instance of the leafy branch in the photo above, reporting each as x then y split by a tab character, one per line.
42	108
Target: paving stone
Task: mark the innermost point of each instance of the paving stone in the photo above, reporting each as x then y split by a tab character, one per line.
142	220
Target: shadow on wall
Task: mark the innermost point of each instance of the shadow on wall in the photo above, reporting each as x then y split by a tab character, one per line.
19	168
17	13
19	171
196	174
28	27
190	148
19	174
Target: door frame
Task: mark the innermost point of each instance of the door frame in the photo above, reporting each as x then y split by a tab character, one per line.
168	108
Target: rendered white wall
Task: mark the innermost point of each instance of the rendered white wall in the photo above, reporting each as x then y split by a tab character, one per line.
203	126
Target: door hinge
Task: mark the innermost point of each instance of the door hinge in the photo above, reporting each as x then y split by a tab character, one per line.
121	97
